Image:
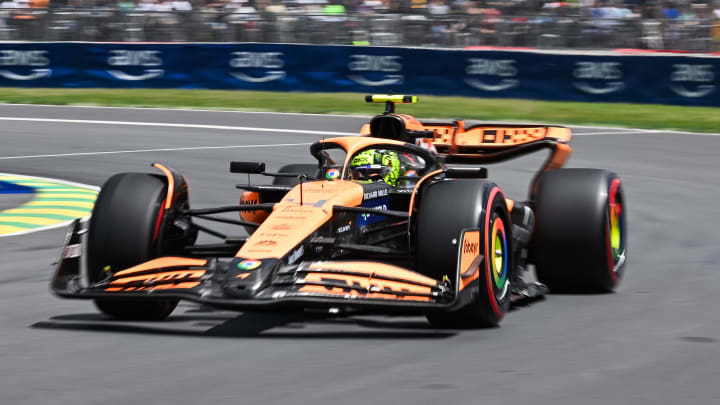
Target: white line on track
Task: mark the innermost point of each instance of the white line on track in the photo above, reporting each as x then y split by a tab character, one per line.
175	125
188	110
114	152
200	110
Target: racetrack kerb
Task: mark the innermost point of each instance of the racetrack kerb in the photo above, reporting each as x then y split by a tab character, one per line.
646	116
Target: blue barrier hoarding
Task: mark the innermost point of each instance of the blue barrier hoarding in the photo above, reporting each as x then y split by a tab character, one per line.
682	80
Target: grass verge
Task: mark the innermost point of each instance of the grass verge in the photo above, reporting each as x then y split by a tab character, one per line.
696	119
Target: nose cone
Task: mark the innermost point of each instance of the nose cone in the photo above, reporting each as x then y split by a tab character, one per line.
297	216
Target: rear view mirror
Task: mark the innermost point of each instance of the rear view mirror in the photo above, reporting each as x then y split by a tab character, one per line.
247	167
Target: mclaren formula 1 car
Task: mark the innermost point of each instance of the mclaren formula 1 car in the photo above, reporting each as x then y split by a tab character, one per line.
400	219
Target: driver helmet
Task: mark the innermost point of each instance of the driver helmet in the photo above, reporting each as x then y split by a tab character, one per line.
376	165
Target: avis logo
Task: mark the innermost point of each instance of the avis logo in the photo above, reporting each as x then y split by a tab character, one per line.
375	70
692	80
264	63
29	61
132	59
495	74
598	77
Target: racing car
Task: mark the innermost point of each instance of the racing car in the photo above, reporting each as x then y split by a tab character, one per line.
399	219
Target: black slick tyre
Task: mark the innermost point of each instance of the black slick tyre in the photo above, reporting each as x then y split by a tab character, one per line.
446	209
579	242
123	232
310	170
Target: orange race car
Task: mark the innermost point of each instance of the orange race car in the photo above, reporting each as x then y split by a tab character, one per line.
401	219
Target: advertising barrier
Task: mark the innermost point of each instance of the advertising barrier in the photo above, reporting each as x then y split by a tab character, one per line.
659	79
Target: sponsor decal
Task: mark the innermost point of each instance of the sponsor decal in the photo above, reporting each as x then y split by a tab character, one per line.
378	204
470	247
375	194
281	227
273	235
126	59
470	257
266	242
332	174
258	67
179	276
375	70
295	255
491	74
30	63
598	77
362	287
249	264
692	81
344	228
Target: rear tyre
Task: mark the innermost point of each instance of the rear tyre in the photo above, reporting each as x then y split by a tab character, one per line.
446	209
125	230
579	242
310	170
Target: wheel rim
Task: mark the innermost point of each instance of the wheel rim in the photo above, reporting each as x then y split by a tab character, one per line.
498	257
615	230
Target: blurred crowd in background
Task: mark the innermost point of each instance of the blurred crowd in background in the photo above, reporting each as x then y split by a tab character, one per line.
692	26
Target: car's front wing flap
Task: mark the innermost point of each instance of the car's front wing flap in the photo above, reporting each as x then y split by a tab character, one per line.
253	284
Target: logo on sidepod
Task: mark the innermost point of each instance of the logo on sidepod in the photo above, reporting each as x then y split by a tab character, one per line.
491	74
692	81
598	77
375	70
249	264
25	65
258	67
142	62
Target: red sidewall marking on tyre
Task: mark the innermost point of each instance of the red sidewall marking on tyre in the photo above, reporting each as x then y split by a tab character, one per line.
159	220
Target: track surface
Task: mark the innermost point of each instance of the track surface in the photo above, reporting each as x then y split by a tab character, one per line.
657	340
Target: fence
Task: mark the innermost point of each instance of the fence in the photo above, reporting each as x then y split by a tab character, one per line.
685	80
449	31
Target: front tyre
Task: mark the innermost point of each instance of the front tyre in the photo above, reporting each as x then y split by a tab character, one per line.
470	216
125	230
580	241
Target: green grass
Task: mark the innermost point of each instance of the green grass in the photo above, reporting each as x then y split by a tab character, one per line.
696	119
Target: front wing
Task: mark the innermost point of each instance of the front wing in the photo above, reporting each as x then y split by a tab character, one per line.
254	285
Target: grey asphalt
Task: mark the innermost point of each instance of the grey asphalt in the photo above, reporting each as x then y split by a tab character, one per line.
655	341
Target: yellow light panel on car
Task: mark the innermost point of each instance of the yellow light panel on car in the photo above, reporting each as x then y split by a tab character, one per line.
394	98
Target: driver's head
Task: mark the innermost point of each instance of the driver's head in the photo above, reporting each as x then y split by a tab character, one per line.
376	165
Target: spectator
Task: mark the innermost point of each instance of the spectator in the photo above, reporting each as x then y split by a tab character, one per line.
670	11
438	7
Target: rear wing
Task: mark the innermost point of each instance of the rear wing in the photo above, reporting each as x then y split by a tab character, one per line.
477	144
